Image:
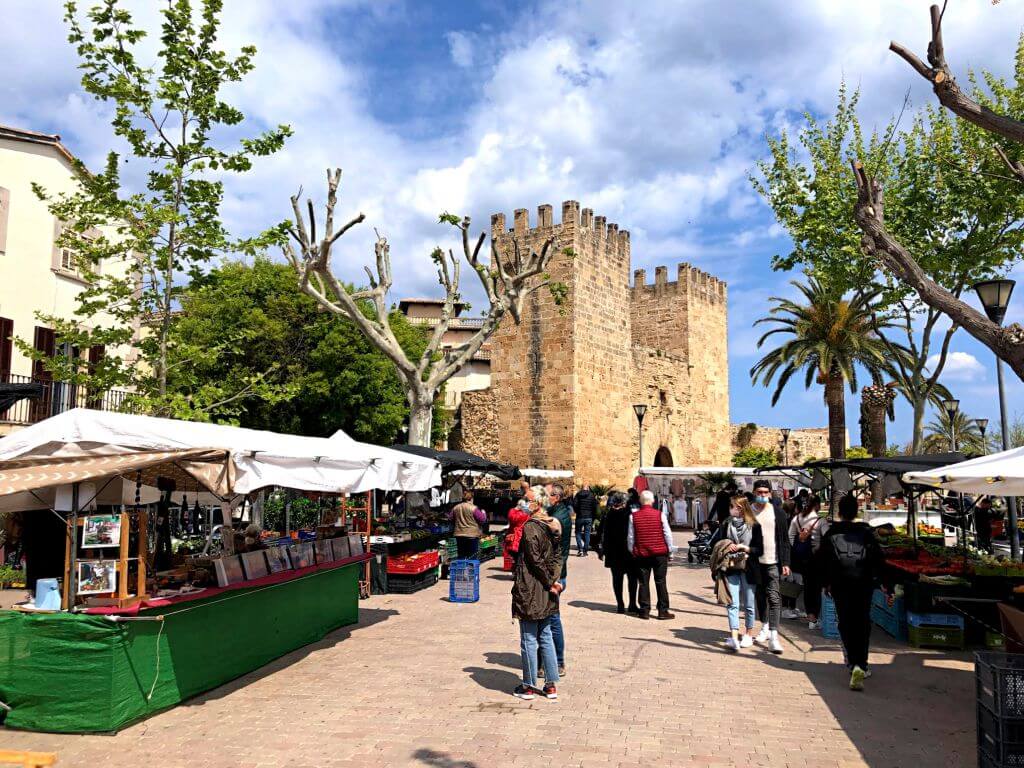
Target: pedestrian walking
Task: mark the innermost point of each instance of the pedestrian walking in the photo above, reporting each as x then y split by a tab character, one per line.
517	517
649	538
468	520
535	592
743	571
585	505
773	564
983	516
851	560
805	533
559	510
615	551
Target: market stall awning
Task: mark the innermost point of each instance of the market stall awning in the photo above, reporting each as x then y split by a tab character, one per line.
460	461
253	459
1000	474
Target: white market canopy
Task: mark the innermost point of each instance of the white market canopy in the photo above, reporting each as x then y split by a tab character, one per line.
83	444
998	474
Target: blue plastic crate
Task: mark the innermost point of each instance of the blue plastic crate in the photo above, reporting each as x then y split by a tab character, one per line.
935	620
464	581
828	618
897	609
890	624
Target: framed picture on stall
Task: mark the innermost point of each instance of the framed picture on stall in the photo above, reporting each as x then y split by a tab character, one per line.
97	576
229	570
355	544
340	547
324	553
301	555
101	531
278	560
254	564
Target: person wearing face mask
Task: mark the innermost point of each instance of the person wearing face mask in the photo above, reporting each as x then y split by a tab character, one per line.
747	545
773	564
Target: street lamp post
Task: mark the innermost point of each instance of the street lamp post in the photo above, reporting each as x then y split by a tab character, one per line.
995	298
785	445
983	428
951	407
640	409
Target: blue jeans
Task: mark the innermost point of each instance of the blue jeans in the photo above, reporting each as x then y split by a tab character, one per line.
534	638
583	534
737	582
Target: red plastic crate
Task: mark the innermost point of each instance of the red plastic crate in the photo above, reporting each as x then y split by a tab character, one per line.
414	564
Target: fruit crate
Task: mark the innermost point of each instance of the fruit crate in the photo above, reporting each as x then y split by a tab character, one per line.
935	637
828	618
1002	740
464	581
898	608
404	584
922	597
414	564
1000	682
890	623
935	620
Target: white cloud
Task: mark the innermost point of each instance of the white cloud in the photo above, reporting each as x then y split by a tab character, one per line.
960	366
460	45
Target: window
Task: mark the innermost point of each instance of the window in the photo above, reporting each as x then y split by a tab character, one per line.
6	345
65	259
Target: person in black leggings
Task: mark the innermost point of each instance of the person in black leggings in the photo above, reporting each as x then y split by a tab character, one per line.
615	553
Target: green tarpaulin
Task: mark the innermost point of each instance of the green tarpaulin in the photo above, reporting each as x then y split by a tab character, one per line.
75	673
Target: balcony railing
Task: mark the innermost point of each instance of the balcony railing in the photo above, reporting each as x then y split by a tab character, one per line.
57	397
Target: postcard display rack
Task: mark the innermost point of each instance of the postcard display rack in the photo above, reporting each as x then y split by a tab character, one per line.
101	565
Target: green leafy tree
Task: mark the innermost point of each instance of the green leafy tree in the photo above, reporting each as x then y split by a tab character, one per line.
756	458
857	452
960	227
1015	431
137	250
250	330
943	433
828	337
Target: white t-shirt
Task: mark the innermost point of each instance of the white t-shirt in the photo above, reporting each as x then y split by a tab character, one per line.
766	519
679	510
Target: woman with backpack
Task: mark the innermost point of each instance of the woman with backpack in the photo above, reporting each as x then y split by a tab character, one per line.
805	532
742	572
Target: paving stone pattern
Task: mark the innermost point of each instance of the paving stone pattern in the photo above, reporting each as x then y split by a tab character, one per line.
423	682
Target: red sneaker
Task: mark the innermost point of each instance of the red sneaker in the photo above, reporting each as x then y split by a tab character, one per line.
550	691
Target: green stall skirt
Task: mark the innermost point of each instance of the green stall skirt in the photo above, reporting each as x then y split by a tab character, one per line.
75	673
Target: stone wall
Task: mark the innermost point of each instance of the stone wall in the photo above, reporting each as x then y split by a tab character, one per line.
803	444
476	430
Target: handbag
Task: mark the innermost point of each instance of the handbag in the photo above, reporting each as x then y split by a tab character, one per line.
803	546
737	561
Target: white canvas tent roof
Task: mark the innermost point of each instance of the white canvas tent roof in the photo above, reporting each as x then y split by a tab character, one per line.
81	444
999	474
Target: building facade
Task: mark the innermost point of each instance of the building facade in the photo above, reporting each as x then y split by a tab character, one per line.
564	380
38	277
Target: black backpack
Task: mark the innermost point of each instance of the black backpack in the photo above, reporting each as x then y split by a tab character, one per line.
851	550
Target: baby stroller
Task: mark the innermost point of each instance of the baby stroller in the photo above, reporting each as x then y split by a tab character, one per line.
700	547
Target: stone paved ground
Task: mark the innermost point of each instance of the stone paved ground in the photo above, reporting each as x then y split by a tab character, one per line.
422	682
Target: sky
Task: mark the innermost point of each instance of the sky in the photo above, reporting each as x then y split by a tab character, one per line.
652	114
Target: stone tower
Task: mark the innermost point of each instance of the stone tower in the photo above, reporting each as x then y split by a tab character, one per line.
561	378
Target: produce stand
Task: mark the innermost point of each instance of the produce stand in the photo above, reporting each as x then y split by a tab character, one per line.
121	648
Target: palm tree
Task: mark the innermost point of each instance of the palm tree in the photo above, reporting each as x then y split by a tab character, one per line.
829	336
939	434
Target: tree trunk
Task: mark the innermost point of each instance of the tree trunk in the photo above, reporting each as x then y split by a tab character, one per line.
918	427
421	418
835	399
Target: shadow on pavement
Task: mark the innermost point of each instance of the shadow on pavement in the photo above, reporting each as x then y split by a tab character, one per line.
603	607
502	659
494	679
367	618
441	759
502	576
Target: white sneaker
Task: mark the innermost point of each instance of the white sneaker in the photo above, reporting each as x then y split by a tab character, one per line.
732	645
790	613
764	634
746	641
814	625
774	646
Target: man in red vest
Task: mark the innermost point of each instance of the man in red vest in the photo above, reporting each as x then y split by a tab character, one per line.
650	541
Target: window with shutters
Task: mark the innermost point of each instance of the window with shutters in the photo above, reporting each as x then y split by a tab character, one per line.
44	341
6	347
65	259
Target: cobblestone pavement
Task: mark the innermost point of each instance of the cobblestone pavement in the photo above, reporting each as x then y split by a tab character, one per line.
423	682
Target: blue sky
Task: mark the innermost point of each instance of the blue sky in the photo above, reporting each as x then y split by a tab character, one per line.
652	114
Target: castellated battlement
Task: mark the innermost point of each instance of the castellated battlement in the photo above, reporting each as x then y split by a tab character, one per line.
689	279
605	237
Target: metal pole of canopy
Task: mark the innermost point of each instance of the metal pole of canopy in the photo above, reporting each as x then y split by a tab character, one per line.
73	558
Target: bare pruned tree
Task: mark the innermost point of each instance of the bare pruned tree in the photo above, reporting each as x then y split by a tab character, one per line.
1006	342
506	283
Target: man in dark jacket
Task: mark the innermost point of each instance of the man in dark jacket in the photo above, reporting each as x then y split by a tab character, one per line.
535	593
773	561
613	549
851	560
585	504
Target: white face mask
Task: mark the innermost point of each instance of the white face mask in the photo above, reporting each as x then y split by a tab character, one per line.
762	499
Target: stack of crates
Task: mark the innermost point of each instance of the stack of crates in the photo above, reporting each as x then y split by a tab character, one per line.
464	581
935	630
411	573
999	680
488	548
829	620
891	618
